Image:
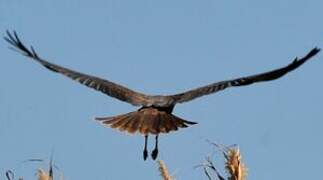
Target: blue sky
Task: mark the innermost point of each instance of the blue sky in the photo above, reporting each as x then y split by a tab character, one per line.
162	47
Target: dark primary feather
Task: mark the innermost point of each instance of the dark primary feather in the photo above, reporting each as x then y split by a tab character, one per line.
267	76
105	86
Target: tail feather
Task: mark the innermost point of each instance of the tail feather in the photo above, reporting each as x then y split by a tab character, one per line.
146	121
151	122
163	125
168	124
121	121
179	122
140	121
127	123
144	125
133	126
156	123
112	120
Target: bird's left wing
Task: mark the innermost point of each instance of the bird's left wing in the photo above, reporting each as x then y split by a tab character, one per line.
107	87
218	86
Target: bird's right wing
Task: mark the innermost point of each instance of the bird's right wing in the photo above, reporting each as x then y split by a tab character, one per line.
218	86
107	87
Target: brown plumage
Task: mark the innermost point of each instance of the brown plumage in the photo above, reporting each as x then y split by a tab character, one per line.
146	121
155	115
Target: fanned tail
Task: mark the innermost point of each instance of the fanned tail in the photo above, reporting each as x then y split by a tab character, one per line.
145	121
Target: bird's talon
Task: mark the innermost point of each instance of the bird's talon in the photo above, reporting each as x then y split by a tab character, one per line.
154	154
145	154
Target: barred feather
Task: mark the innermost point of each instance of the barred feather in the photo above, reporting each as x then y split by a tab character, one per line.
146	121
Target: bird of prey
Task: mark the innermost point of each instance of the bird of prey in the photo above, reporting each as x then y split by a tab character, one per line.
155	113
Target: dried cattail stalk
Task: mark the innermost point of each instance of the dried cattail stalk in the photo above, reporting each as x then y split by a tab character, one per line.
42	175
163	171
234	166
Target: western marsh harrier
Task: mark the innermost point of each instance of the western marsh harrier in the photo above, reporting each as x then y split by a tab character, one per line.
155	113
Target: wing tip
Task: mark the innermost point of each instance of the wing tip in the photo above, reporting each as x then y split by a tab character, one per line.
314	51
13	39
309	55
298	61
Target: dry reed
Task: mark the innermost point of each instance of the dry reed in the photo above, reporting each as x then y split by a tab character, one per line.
234	165
164	171
42	175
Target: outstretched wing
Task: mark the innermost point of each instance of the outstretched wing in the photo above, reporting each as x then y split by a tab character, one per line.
105	86
267	76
